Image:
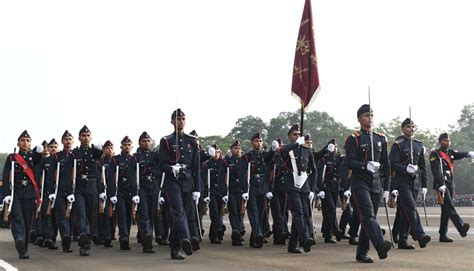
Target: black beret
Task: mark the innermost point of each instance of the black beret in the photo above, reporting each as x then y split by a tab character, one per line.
194	133
255	136
215	147
178	112
443	136
294	127
365	108
144	135
107	143
53	142
126	139
24	134
279	141
406	122
84	129
44	143
307	137
66	134
235	144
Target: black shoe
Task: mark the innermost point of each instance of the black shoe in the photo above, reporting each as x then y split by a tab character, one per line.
329	241
307	244
237	243
353	241
108	243
383	248
256	245
83	240
364	259
66	244
83	251
124	245
195	244
339	235
39	241
259	240
445	239
268	234
148	244
148	250
405	246
159	240
215	241
186	246
345	236
50	245
236	237
464	229
294	250
279	241
20	245
97	241
424	240
23	255
220	234
175	255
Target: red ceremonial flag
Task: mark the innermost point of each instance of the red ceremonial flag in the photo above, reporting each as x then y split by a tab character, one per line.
305	70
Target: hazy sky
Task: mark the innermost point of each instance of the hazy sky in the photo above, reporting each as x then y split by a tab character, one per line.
122	67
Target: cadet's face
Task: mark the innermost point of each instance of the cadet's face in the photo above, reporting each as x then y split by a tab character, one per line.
365	120
145	143
53	148
24	144
67	142
181	121
294	136
126	147
308	144
218	154
257	144
408	130
85	139
445	143
108	151
236	151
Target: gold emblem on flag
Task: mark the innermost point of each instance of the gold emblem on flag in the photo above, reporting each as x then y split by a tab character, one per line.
303	45
299	71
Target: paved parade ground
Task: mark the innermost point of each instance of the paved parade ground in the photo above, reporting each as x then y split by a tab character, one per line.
441	256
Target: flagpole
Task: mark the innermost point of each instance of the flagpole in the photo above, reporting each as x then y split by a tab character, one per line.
301	131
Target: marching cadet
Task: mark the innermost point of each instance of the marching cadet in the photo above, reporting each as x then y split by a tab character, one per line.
105	215
279	202
121	196
328	181
348	215
215	192
39	226
258	187
407	160
63	193
179	160
299	171
442	167
85	187
147	186
367	158
235	187
46	220
25	196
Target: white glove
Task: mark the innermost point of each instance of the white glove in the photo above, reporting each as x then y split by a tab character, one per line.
211	151
97	146
471	154
385	196
321	195
175	169
412	169
442	189
269	195
52	197
102	196
275	145
196	196
347	194
113	199
161	201
136	199
300	140
71	198
8	199
311	196
395	193
423	191
245	196
331	147
225	199
39	148
373	166
207	199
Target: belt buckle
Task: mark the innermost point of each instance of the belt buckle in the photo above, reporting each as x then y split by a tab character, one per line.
83	177
24	182
124	179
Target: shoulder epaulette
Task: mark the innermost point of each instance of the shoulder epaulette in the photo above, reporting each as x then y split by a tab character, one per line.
419	141
399	140
168	137
192	136
356	133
